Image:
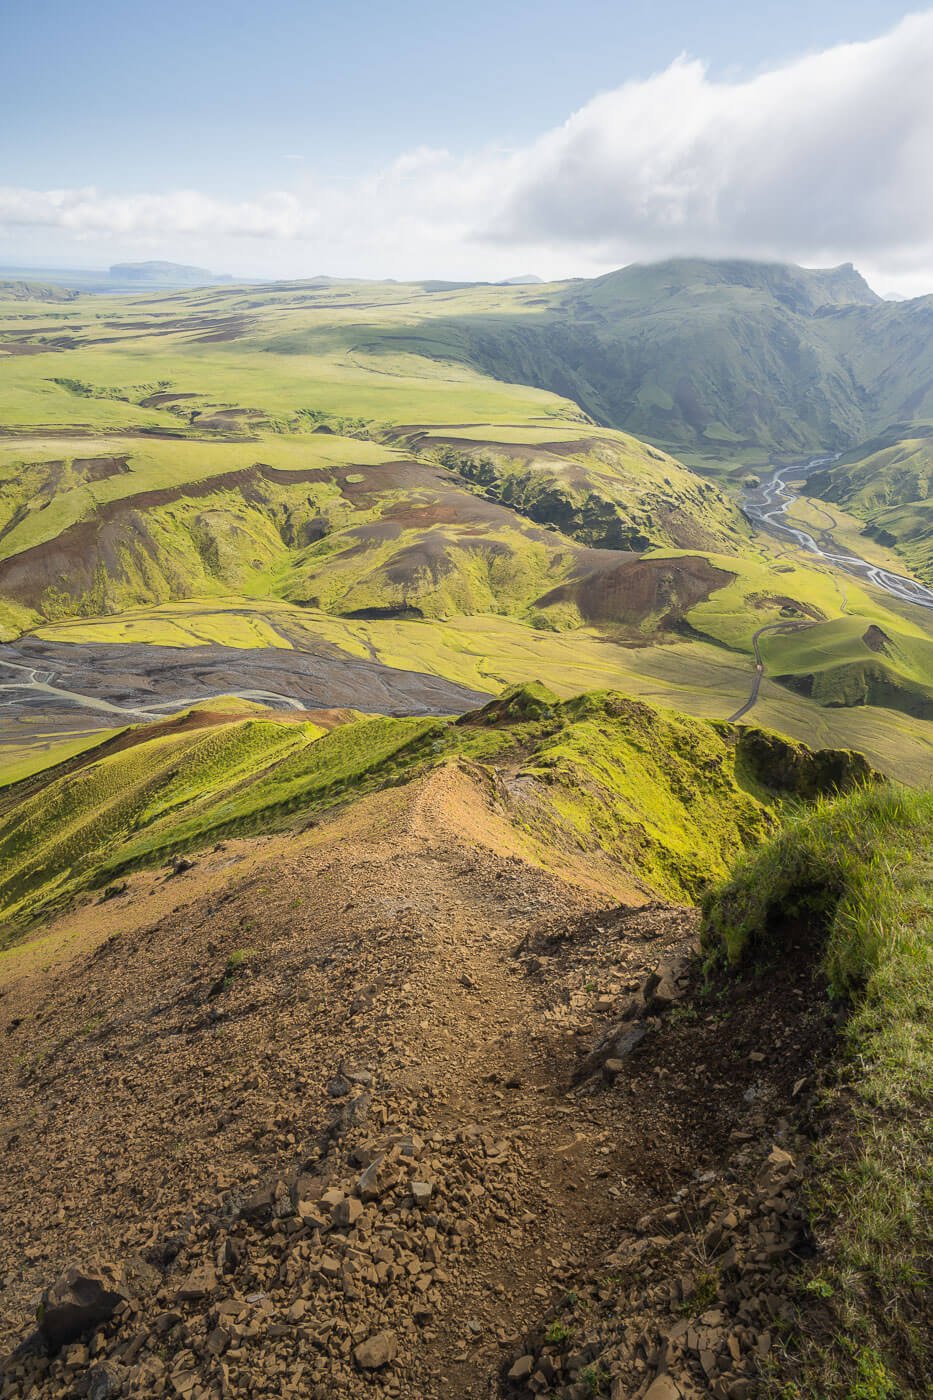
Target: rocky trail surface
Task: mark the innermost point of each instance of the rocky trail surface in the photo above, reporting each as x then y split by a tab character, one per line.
385	1109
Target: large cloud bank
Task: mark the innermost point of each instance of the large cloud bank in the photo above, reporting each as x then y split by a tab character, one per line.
826	159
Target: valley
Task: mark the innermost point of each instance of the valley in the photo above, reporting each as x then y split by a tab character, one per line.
465	767
328	480
769	505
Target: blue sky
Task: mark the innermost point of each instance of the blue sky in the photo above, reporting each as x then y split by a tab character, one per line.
302	112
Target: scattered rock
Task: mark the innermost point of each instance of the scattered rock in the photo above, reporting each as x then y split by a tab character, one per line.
378	1178
522	1368
106	1381
200	1283
663	1388
376	1351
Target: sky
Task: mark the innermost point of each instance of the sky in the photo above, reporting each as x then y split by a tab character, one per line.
480	140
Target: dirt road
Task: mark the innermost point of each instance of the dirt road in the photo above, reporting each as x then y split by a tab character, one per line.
760	665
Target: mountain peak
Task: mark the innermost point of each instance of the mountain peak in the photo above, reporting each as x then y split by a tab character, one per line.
804	290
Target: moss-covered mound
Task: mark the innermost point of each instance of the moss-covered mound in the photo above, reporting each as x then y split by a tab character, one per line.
781	765
516	704
858	874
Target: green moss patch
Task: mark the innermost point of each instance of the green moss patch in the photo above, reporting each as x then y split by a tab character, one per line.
859	872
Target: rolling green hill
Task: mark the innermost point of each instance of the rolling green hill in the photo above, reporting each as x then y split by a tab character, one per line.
846	663
417	472
672	797
888	483
351	525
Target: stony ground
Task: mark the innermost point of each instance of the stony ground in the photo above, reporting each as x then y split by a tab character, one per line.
60	687
383	1109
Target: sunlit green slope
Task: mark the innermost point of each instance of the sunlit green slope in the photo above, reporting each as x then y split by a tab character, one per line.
671	798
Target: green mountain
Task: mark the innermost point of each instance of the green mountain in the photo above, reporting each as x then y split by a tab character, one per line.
721	359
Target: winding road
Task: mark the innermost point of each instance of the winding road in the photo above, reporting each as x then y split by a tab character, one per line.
760	665
768	505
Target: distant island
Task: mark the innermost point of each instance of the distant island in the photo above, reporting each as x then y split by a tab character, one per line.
166	274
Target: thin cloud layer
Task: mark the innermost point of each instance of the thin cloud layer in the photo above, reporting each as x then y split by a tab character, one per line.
823	160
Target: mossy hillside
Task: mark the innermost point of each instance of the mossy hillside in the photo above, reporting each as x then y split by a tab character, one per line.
285	365
767	763
43	491
322	541
250	541
845	662
858	873
662	794
137	806
302	379
851	638
60	837
612	492
347	760
531	703
448	571
304	541
864	683
672	798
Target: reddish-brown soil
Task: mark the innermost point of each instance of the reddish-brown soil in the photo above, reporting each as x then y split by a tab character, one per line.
637	589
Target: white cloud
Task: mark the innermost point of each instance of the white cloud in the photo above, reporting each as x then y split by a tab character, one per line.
827	157
823	160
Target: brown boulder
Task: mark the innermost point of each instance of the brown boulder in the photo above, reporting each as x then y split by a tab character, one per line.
378	1178
376	1351
80	1300
200	1283
663	1388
